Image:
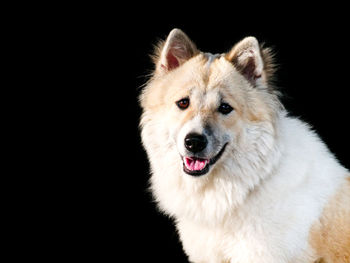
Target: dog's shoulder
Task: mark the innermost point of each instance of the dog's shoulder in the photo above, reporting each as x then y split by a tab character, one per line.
330	235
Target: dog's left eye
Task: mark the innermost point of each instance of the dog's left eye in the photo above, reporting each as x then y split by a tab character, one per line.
225	108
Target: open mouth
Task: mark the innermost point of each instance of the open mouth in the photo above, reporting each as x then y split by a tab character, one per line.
200	166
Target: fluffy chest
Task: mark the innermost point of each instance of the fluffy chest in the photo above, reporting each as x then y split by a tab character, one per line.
244	240
268	228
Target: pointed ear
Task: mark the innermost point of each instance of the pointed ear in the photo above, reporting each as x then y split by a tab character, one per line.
250	60
175	51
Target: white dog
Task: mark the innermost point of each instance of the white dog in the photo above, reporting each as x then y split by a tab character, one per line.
243	181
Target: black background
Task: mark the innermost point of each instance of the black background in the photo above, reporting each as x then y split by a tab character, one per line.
311	51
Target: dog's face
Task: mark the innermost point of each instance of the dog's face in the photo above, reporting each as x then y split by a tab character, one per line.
205	108
205	111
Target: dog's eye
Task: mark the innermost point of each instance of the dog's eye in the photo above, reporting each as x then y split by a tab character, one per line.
183	103
225	108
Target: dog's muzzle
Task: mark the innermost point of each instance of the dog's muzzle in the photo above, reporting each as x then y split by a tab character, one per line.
196	166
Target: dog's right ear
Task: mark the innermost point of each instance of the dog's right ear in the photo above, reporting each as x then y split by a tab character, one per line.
175	51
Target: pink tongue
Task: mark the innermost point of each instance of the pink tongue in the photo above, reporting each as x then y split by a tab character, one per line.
195	164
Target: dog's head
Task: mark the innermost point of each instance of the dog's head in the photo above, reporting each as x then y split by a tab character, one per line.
203	108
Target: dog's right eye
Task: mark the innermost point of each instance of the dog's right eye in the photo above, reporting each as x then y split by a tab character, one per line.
183	103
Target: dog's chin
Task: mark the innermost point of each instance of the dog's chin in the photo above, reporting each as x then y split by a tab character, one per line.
195	166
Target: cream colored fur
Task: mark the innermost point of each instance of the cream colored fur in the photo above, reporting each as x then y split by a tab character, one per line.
260	200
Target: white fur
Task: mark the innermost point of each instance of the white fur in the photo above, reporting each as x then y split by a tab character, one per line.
260	199
231	219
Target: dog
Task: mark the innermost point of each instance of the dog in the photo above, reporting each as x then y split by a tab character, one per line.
243	180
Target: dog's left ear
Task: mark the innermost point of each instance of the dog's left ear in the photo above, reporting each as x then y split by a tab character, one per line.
254	63
175	51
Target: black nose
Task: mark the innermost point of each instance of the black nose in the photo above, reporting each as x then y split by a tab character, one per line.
195	142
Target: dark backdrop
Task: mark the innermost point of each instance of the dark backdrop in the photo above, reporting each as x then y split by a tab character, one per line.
311	51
